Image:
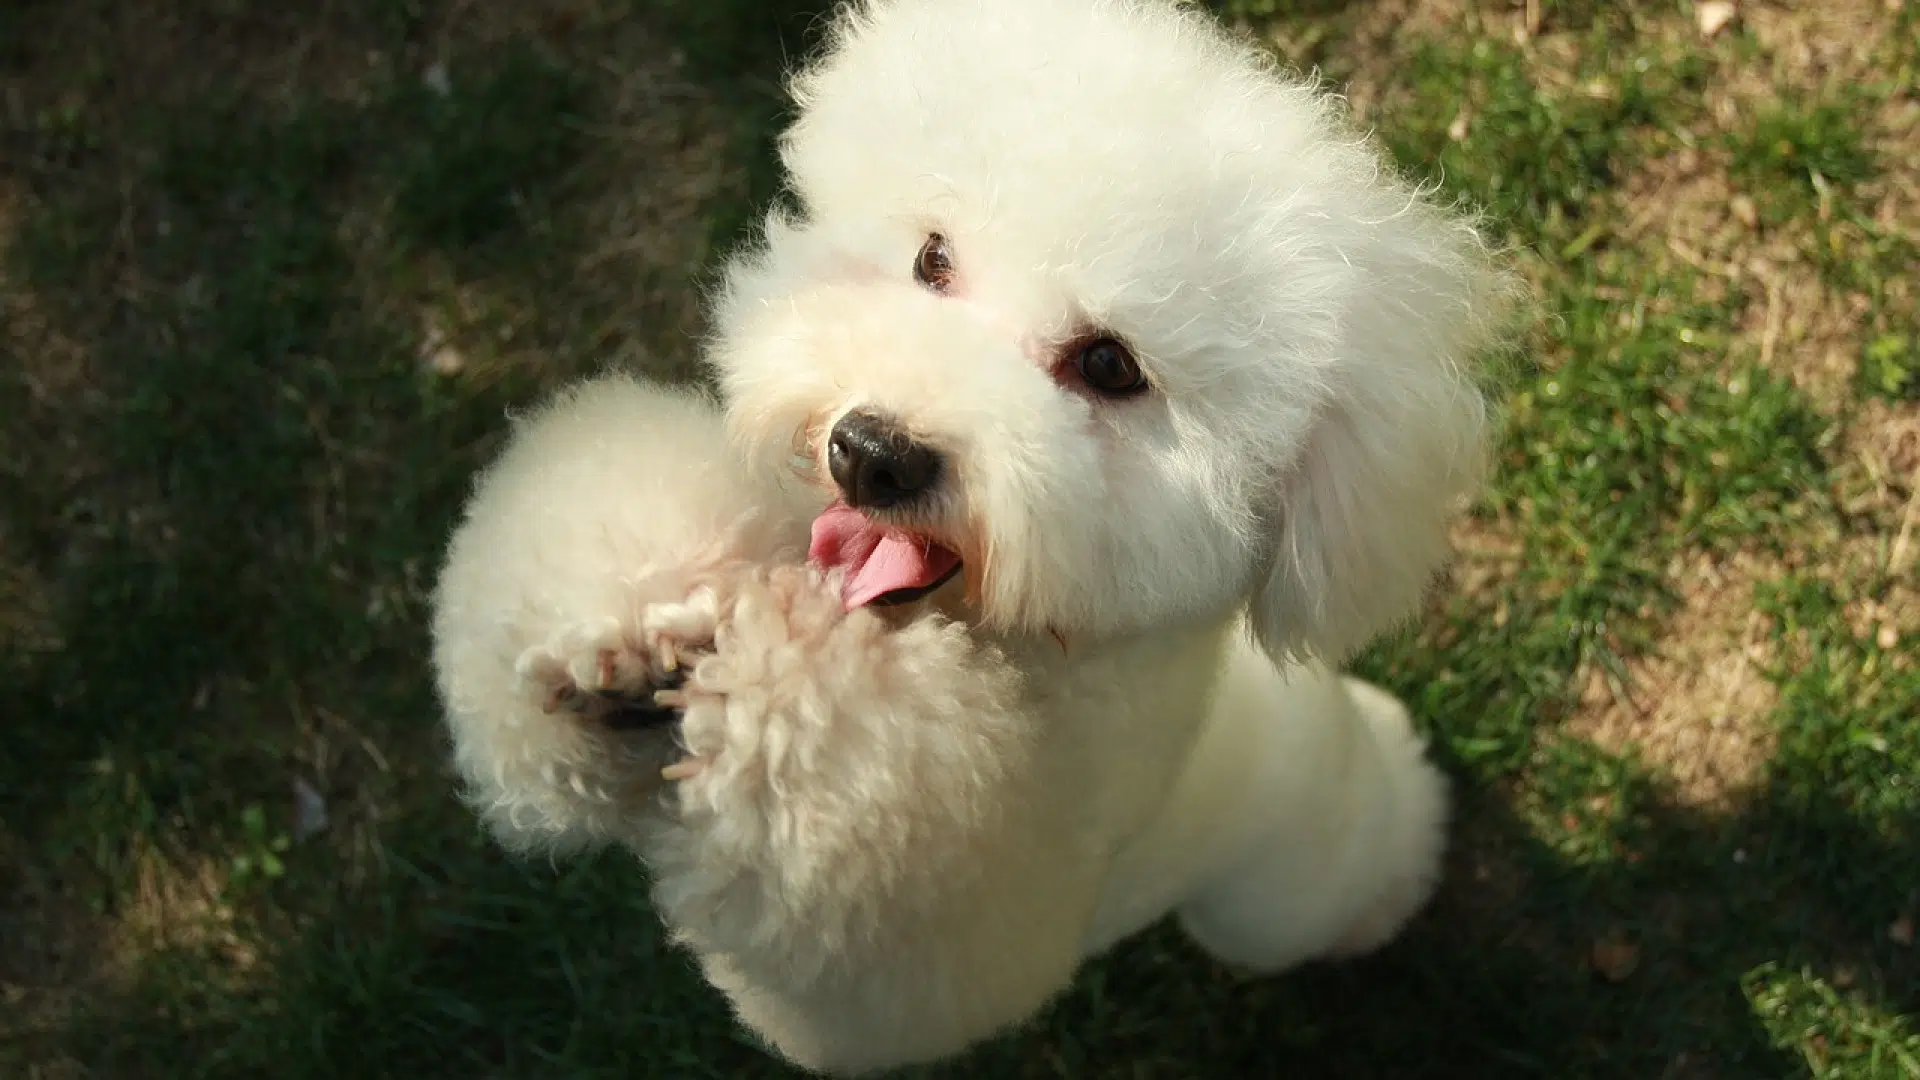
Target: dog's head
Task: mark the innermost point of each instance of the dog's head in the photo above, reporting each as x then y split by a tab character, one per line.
1086	305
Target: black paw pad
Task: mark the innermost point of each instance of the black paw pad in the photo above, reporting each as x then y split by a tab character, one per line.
636	712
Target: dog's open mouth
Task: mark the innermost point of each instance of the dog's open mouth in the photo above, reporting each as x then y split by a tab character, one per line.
883	565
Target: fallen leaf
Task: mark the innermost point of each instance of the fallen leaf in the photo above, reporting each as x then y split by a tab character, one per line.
437	352
1713	16
1615	958
447	360
309	810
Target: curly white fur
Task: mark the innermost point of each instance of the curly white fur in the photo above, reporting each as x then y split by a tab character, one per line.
897	832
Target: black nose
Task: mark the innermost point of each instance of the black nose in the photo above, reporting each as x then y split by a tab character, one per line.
878	465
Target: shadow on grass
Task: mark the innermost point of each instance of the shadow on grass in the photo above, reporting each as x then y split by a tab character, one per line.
227	469
457	963
225	454
232	472
243	476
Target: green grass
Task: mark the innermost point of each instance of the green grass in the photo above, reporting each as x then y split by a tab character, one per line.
1890	367
1791	152
227	470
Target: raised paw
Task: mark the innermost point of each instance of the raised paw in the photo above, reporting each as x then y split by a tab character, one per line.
674	633
605	672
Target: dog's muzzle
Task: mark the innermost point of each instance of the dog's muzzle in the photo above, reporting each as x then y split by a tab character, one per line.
877	464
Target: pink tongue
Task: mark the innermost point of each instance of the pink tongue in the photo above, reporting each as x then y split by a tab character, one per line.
877	560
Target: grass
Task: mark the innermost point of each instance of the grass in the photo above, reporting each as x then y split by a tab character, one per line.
269	282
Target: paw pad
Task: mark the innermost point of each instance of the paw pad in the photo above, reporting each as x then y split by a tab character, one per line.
602	673
624	676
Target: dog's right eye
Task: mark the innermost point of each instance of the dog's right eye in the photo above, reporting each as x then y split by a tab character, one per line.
934	266
1109	369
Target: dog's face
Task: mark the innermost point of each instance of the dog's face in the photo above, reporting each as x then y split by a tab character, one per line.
1087	309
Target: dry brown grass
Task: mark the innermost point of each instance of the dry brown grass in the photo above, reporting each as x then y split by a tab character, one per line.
62	954
1485	553
618	287
1694	706
657	163
1685	208
1381	37
653	168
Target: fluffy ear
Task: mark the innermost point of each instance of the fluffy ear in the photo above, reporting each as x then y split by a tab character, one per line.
1361	522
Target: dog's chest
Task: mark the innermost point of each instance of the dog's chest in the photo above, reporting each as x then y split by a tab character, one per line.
1121	718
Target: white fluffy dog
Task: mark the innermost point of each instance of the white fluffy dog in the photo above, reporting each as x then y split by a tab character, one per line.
1103	389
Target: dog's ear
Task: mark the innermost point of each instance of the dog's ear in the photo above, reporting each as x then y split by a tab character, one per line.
1360	525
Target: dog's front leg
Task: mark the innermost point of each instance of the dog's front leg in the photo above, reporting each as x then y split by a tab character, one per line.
862	851
609	498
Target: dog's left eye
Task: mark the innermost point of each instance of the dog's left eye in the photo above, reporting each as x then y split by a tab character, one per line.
934	266
1108	367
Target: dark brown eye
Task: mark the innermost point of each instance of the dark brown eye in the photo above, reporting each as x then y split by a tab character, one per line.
1107	367
934	267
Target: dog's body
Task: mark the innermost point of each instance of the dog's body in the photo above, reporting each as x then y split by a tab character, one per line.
1132	447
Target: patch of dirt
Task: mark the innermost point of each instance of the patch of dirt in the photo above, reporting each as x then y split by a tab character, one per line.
1683	208
1892	622
1875	575
1805	331
66	955
1686	207
1790	322
1880	475
1379	37
176	902
1686	210
1695	705
1485	554
1810	45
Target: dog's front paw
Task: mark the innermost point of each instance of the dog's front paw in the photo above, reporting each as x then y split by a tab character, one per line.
838	765
622	674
